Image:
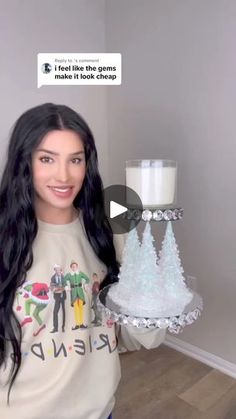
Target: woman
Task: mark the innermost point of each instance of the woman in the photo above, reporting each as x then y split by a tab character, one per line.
52	213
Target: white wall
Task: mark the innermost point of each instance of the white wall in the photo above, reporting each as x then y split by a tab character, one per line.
177	101
29	27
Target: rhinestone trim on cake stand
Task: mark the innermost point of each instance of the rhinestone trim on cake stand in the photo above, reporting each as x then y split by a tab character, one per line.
154	214
174	324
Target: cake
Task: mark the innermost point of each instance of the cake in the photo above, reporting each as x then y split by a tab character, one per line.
147	287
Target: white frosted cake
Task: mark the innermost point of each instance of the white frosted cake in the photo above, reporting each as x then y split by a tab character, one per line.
147	288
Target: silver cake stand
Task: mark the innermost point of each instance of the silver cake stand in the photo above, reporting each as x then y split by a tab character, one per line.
174	324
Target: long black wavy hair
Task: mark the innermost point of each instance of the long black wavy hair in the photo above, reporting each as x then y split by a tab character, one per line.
18	223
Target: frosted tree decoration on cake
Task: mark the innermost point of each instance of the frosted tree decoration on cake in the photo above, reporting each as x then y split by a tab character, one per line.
147	271
138	292
148	288
147	293
172	279
130	257
120	292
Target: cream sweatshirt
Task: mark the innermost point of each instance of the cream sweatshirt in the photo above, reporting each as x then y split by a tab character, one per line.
70	363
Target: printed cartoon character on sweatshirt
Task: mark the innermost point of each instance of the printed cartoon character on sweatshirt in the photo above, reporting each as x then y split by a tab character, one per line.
18	306
77	279
58	288
36	294
95	290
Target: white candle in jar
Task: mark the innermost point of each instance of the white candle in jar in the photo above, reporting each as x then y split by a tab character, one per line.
153	180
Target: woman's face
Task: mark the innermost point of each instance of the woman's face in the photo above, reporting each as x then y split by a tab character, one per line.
59	168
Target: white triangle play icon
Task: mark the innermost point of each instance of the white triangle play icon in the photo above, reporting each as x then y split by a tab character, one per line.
116	209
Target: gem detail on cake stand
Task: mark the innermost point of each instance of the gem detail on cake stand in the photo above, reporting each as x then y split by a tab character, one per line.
173	324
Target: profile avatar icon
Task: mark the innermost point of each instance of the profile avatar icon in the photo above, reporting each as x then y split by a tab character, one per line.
46	68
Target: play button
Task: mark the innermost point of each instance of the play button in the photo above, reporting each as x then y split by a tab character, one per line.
116	209
120	201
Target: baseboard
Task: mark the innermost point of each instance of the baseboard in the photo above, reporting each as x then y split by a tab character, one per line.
201	355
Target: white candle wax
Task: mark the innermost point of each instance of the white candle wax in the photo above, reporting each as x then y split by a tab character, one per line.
154	185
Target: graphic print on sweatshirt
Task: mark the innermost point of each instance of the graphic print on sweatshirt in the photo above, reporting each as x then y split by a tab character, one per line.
59	315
